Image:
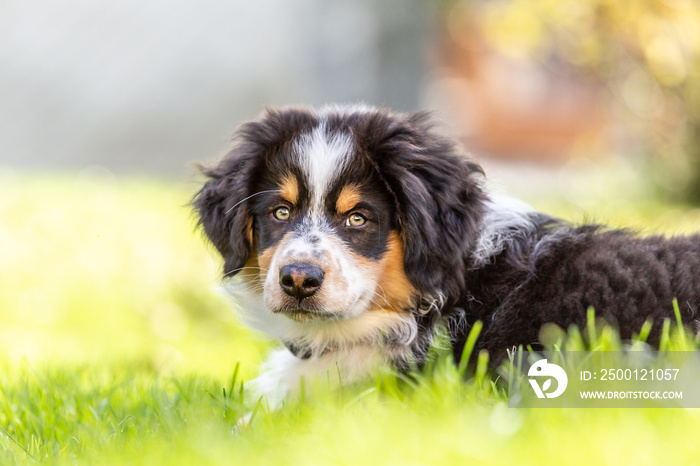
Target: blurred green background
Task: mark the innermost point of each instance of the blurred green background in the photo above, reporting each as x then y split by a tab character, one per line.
98	269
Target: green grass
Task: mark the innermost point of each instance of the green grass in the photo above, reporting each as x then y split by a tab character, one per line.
115	348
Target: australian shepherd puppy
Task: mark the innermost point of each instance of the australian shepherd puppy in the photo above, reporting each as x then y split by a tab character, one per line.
350	233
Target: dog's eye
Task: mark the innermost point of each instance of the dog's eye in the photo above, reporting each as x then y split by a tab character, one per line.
355	220
282	213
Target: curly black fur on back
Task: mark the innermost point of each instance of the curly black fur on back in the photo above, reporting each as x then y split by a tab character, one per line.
561	271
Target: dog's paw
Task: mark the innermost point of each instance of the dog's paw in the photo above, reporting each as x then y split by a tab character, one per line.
277	380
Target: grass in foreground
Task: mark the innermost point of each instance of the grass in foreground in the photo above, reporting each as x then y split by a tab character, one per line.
126	414
114	349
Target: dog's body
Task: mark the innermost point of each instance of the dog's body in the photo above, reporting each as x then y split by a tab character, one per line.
349	233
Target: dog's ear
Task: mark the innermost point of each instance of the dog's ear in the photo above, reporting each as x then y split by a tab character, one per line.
223	210
223	204
439	201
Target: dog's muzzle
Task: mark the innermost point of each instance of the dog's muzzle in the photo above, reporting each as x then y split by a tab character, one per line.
300	280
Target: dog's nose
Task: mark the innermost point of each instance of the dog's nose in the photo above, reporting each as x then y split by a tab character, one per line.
300	280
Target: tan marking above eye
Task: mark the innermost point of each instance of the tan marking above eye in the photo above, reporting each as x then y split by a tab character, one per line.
348	198
289	189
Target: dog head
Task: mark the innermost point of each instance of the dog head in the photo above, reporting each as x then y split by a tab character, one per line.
332	214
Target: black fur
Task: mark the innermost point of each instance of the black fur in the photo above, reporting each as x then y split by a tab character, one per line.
547	272
222	209
437	195
625	279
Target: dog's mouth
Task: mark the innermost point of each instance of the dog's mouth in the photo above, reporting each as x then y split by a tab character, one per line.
299	314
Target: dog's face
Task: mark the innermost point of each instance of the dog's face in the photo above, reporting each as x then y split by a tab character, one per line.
325	232
333	214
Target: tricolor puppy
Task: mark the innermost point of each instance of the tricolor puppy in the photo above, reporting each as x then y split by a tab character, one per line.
350	233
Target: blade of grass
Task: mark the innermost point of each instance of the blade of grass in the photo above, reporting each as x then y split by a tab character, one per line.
645	330
234	377
679	323
16	443
469	346
590	324
665	336
481	367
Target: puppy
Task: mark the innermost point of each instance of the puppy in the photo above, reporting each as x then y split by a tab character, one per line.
351	233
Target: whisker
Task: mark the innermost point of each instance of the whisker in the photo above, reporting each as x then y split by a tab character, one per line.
256	289
243	268
386	304
252	195
379	305
383	297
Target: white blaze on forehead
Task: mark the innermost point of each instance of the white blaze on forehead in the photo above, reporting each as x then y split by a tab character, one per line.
322	157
